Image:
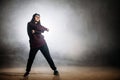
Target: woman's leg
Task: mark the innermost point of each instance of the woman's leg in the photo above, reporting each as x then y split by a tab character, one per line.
32	54
45	51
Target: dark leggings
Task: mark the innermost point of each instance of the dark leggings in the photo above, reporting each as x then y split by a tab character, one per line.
45	51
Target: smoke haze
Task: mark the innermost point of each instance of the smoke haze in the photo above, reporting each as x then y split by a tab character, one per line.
81	32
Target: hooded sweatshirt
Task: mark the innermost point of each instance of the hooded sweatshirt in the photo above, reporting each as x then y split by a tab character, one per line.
36	39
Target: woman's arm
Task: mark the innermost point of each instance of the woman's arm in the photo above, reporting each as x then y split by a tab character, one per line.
45	29
30	30
41	29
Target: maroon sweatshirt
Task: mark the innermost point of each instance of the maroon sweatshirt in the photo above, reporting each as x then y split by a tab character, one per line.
36	39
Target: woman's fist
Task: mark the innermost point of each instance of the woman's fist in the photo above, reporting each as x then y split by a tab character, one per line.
33	31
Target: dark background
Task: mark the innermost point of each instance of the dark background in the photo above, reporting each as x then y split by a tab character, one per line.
100	30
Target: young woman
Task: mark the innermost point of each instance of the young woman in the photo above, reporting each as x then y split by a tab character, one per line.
37	42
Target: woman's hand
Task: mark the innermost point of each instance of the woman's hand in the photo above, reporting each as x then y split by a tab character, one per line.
33	31
47	29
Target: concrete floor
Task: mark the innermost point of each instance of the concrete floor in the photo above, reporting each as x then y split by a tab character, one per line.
66	73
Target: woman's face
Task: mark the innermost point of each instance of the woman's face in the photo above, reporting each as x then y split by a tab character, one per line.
37	18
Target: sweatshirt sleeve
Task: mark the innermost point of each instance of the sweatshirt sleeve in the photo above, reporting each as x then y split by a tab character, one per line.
29	30
41	29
